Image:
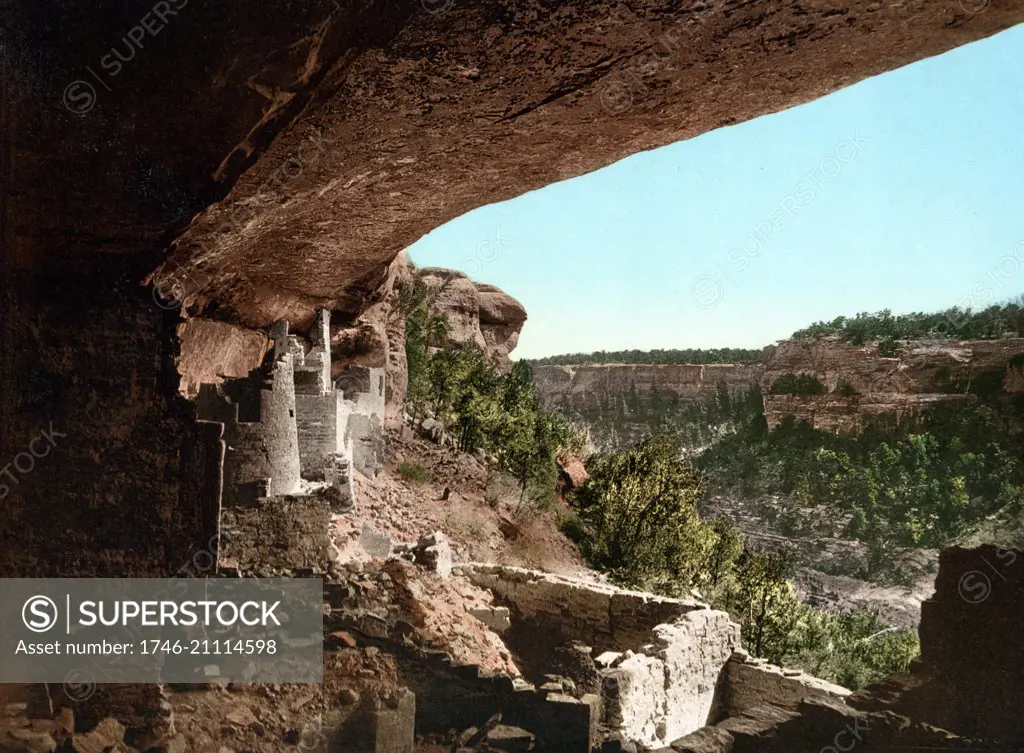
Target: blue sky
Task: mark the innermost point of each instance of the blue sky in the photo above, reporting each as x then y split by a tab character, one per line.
905	191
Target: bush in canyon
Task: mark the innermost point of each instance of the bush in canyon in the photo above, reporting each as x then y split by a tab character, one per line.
923	483
639	517
845	389
851	650
636	520
415	474
423	329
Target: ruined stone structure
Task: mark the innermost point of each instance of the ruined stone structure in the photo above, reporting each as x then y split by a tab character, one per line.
666	667
258	414
282	424
289	420
321	414
364	388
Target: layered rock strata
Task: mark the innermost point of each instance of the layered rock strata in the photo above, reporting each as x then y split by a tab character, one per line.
861	385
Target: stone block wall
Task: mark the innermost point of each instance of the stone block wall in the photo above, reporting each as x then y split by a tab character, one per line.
673	685
258	414
563	609
364	390
753	682
321	422
663	659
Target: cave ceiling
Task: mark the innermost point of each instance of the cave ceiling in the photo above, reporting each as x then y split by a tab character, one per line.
265	159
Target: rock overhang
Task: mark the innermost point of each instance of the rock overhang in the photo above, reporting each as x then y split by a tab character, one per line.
286	165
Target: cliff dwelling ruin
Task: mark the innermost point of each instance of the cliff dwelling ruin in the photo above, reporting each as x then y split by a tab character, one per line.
199	256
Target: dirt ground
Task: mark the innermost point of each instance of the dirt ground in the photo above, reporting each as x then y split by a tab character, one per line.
479	515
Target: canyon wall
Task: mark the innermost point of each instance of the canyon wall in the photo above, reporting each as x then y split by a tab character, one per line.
621	401
601	385
862	385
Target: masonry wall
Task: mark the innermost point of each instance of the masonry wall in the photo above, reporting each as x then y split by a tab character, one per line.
673	685
662	660
321	423
364	390
258	414
605	617
754	682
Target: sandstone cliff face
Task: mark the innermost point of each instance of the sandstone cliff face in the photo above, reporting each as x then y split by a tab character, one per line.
621	402
585	387
477	314
924	373
324	138
860	384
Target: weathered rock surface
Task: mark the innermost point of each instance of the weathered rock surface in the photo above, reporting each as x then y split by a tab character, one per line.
382	136
600	385
325	139
923	374
477	314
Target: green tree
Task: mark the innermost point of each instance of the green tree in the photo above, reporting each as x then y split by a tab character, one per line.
764	602
423	329
641	521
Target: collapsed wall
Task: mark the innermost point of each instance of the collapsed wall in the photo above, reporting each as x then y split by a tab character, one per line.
665	667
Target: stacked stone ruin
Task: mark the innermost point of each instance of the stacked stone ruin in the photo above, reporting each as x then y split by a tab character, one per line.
293	439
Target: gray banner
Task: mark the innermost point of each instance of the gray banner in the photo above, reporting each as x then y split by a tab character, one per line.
88	631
